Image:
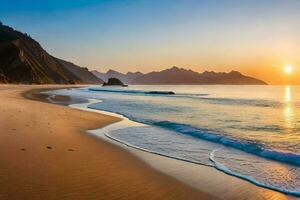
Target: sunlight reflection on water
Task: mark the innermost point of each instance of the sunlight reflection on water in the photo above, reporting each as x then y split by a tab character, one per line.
288	109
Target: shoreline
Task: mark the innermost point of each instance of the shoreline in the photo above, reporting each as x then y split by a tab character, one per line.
141	153
45	153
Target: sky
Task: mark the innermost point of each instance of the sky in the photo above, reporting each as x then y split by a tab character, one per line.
255	37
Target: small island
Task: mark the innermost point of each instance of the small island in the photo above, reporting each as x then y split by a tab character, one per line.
114	82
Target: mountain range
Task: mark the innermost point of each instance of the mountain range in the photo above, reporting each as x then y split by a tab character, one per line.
23	60
181	76
125	78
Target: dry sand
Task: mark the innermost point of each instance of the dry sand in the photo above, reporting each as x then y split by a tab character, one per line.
46	154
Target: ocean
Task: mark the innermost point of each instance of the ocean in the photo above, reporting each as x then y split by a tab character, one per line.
251	132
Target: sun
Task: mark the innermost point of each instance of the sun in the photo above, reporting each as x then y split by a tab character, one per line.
288	69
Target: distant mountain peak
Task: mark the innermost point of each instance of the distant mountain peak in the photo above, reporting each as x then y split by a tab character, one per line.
174	68
111	71
235	72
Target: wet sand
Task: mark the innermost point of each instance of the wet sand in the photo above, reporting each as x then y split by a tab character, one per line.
45	153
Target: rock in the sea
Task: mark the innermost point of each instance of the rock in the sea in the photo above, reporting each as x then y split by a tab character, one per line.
162	92
114	82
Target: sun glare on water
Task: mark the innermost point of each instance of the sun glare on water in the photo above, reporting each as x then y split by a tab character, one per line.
288	69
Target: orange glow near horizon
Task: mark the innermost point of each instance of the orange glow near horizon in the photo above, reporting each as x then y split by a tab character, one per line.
274	73
268	69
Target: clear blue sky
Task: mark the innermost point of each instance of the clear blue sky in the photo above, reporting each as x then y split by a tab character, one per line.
252	36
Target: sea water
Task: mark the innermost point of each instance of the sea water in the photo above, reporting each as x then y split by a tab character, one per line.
252	132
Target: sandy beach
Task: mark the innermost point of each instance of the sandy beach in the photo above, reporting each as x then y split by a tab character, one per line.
46	154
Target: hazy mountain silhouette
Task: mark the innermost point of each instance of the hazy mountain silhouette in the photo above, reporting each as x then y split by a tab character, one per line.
177	76
23	60
125	78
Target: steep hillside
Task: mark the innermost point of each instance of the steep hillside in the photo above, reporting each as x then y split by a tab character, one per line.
83	73
23	60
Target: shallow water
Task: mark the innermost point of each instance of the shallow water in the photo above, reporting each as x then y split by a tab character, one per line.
251	132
